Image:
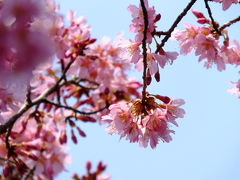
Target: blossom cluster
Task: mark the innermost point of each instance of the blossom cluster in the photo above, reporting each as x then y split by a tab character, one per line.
205	42
91	76
87	82
35	146
145	124
154	59
144	120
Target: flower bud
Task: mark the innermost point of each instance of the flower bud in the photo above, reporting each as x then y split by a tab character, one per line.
202	20
197	13
74	138
157	76
63	137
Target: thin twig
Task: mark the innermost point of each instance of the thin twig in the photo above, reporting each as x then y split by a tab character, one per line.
30	173
174	25
26	106
229	23
6	160
215	26
73	109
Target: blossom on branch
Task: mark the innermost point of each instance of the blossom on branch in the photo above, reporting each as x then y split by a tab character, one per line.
227	3
144	124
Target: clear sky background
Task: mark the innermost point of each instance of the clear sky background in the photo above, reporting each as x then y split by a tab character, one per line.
206	145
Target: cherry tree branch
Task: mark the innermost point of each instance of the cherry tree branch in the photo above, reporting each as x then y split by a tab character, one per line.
231	22
38	100
215	26
73	109
174	25
144	47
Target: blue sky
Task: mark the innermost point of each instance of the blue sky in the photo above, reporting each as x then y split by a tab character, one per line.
206	145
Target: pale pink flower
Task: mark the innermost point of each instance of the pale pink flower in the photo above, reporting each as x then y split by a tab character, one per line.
137	25
186	38
104	177
128	120
122	121
207	47
156	127
173	110
236	89
164	57
131	49
227	3
232	53
202	41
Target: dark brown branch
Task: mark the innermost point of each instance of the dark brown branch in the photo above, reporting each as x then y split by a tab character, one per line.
75	110
215	26
229	23
30	173
76	81
174	25
6	160
26	106
144	47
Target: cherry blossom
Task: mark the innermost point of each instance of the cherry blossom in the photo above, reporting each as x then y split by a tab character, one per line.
236	89
227	3
144	125
137	25
55	76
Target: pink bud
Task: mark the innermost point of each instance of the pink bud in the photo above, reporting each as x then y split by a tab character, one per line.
86	118
92	40
198	14
164	99
71	123
81	133
63	137
148	78
33	157
202	21
226	42
88	166
157	18
74	138
101	167
157	76
7	170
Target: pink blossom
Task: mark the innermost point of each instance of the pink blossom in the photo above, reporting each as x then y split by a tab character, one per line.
122	121
137	25
163	57
201	40
227	3
236	89
231	53
156	126
186	38
144	126
173	110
